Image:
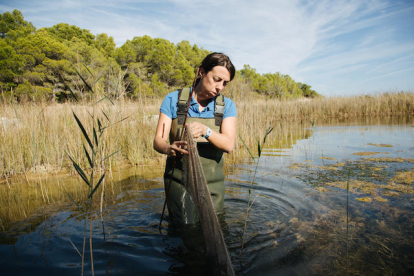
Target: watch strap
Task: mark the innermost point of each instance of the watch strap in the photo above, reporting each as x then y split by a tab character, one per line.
208	133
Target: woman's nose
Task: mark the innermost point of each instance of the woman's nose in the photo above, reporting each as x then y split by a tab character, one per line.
219	86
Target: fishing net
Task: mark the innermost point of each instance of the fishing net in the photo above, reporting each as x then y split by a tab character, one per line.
196	185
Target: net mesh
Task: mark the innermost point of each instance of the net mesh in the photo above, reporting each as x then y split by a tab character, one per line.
196	185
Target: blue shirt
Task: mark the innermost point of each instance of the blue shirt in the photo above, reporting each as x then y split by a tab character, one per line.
169	107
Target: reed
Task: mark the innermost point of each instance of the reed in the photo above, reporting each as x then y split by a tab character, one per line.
256	113
37	140
34	137
250	204
95	151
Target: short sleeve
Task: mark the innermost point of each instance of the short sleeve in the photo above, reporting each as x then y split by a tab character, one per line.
230	109
169	105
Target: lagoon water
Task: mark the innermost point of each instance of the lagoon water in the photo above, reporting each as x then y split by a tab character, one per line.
303	220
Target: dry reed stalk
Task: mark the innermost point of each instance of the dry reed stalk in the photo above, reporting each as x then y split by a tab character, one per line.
44	131
43	139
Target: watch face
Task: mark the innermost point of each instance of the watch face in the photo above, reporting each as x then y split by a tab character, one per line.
208	132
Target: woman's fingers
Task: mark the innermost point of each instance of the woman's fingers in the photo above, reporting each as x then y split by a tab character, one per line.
179	146
197	129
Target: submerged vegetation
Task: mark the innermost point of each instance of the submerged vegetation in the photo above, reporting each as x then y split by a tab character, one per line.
371	179
379	224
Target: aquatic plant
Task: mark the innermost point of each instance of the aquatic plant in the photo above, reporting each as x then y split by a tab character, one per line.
96	160
250	204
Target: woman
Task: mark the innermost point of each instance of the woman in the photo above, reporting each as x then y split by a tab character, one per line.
214	129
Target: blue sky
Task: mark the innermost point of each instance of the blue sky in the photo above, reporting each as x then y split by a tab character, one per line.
340	48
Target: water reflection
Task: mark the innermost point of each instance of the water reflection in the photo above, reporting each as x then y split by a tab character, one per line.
297	225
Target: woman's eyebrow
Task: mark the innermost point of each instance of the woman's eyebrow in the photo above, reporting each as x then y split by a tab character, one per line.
220	78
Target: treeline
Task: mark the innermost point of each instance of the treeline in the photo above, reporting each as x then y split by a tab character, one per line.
51	64
276	85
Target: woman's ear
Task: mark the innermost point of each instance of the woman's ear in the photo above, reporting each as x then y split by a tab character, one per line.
201	72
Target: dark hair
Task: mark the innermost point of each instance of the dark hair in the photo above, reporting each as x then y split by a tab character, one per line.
218	59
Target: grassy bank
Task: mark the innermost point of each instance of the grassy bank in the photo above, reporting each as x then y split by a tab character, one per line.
34	138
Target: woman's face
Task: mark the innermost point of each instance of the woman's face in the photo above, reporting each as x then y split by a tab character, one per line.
213	82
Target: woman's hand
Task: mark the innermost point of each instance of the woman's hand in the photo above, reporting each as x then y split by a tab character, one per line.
197	129
176	148
161	135
224	140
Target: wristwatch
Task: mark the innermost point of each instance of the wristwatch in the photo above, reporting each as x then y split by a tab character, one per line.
208	133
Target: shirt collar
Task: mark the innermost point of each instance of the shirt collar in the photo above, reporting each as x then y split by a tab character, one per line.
209	107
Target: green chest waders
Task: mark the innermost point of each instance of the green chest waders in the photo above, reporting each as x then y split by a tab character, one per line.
180	207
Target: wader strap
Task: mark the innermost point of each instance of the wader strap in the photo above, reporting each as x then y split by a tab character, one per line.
219	110
183	98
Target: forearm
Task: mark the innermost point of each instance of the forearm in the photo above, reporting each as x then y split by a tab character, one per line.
221	141
161	146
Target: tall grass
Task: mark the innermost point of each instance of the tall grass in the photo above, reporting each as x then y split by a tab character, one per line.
37	142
